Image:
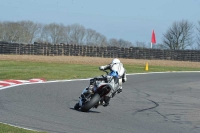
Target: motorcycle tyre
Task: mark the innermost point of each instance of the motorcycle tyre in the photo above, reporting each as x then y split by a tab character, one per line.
86	107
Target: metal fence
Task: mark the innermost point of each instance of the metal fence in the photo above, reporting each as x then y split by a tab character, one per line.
47	49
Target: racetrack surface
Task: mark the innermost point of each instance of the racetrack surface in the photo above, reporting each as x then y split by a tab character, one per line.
149	103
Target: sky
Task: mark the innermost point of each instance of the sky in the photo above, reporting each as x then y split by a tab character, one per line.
131	20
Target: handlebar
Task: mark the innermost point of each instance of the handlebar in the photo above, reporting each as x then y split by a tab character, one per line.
103	76
100	78
105	71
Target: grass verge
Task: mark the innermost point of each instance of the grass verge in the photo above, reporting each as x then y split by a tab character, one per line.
4	128
57	71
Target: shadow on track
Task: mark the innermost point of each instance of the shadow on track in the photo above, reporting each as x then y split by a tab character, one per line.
90	111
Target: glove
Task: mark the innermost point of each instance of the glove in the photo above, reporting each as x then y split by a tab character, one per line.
101	68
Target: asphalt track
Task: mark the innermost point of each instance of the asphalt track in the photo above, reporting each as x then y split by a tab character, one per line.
149	103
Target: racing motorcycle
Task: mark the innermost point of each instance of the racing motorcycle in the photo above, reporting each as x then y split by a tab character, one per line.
99	88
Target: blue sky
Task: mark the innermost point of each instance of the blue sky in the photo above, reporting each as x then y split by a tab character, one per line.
131	20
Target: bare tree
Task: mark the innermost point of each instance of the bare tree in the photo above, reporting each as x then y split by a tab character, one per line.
21	32
10	31
179	35
76	34
29	31
140	44
94	38
42	36
198	36
53	33
119	43
125	44
113	42
89	37
159	46
1	31
100	40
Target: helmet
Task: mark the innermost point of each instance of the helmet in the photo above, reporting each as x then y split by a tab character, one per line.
114	61
113	73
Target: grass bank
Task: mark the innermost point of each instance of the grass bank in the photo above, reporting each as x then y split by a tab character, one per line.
57	71
4	128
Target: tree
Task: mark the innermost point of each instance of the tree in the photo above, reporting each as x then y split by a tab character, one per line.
113	42
90	37
10	31
20	32
119	43
123	43
140	44
100	40
179	35
94	38
29	31
198	35
76	34
53	33
1	29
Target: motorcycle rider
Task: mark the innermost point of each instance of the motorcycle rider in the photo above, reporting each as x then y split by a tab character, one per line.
118	74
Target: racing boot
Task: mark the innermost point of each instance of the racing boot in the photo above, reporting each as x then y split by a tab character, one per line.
106	101
119	90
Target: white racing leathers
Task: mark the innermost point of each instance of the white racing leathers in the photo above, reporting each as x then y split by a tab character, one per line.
116	82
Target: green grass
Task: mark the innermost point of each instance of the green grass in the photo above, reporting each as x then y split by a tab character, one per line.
141	69
56	71
10	129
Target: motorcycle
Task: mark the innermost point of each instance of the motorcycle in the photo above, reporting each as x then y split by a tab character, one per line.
99	88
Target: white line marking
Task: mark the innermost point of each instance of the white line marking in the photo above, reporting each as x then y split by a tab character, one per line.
14	85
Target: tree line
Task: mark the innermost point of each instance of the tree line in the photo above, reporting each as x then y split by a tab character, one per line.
179	36
29	32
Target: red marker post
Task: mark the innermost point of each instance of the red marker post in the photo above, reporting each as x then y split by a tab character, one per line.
153	38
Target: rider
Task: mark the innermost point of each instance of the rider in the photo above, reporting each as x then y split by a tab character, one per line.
118	72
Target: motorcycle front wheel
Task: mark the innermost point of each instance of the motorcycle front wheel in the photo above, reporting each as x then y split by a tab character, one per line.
87	106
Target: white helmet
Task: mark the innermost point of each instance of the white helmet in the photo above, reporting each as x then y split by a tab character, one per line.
115	61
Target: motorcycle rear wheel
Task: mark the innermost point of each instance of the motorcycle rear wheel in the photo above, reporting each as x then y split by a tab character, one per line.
86	107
